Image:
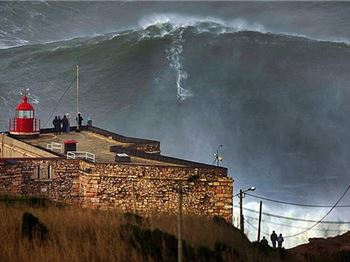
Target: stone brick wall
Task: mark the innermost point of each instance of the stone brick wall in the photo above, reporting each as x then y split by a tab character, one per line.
57	179
146	189
133	188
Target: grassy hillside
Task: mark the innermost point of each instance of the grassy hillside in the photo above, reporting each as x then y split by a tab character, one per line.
77	234
324	249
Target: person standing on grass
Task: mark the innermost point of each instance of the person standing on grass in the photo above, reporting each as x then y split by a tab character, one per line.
273	238
280	241
264	242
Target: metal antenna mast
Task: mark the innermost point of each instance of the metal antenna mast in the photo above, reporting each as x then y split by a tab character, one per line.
217	157
78	126
25	92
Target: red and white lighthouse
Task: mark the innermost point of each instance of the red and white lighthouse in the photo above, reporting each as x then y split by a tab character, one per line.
24	124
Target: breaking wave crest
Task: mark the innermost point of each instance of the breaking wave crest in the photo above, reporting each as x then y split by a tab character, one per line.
172	34
168	23
202	24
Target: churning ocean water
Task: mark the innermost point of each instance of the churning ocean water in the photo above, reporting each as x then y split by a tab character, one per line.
269	81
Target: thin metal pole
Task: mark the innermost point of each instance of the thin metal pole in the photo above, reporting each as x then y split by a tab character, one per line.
133	196
241	211
78	126
217	157
259	226
179	226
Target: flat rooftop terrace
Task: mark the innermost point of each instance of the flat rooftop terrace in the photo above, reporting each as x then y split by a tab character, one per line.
94	143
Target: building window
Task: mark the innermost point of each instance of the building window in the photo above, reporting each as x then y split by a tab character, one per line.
43	172
25	114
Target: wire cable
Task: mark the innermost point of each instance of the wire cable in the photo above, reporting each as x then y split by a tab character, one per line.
58	102
319	221
247	221
266	233
291	203
291	226
294	218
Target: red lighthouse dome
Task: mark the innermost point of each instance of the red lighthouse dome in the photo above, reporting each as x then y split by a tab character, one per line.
24	124
25	106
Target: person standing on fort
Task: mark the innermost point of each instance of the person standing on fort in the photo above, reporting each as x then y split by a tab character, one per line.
65	124
280	241
59	125
55	125
79	120
68	118
273	238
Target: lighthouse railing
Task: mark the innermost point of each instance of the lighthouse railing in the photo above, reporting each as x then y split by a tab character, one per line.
12	124
55	146
36	125
81	155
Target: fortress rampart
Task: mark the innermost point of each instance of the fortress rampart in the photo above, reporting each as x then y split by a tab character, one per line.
132	188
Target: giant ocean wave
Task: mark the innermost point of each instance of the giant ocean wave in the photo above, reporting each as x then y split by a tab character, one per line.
278	102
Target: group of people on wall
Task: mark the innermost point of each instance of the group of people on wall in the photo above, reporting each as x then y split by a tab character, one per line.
62	125
274	240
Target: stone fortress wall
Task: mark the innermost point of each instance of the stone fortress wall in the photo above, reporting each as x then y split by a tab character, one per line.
142	189
139	189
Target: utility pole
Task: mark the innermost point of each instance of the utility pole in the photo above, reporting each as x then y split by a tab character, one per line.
259	226
133	193
179	226
241	219
241	194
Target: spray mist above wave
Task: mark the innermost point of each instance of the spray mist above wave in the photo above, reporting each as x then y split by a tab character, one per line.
168	23
9	43
201	24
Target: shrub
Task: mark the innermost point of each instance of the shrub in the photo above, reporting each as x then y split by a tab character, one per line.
32	228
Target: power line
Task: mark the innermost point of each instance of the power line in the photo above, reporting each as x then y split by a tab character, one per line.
319	221
247	221
294	218
291	226
58	102
291	203
267	233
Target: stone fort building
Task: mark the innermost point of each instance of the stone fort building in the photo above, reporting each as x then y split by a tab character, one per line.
100	169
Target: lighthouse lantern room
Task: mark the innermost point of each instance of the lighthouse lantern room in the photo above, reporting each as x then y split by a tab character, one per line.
24	124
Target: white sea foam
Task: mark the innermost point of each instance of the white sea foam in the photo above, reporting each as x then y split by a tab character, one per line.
201	23
221	26
174	52
173	25
5	44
